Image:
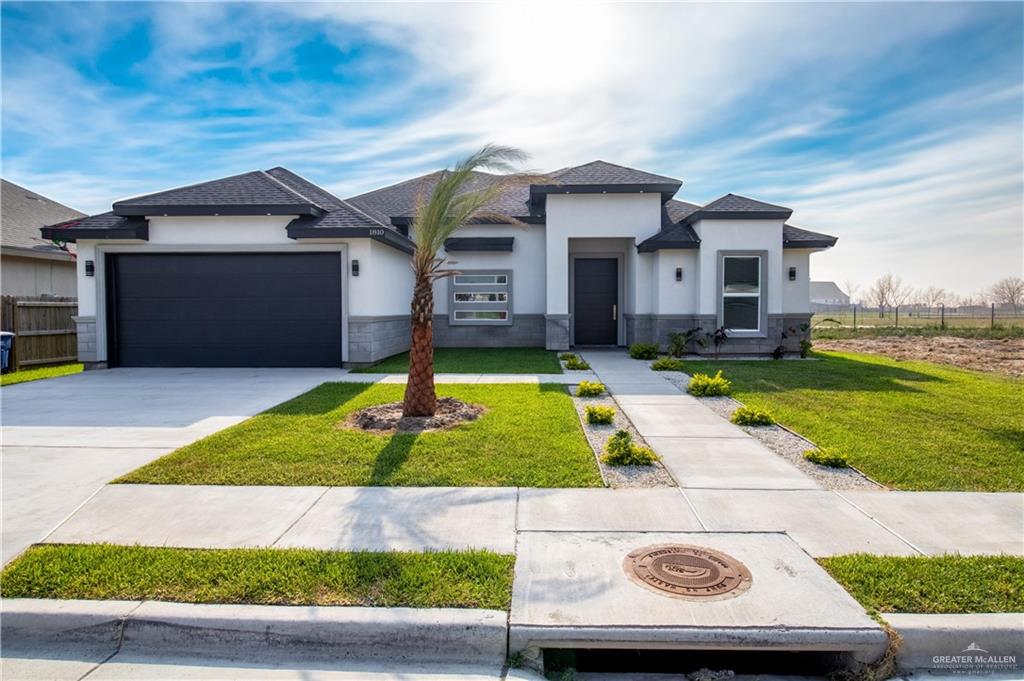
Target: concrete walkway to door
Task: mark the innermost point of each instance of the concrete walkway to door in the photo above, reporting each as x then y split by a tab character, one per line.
734	483
63	438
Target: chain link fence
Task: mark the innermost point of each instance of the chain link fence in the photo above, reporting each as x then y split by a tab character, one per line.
965	316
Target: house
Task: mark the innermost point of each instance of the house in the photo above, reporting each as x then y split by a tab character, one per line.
31	266
827	295
268	269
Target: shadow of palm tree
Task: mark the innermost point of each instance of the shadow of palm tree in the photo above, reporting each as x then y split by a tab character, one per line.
390	459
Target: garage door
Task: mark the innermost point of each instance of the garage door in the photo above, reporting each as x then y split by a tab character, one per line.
220	310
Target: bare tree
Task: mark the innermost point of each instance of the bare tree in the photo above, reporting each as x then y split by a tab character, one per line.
933	296
851	287
1008	291
888	291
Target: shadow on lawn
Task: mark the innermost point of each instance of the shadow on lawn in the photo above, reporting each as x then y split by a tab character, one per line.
829	373
390	459
322	399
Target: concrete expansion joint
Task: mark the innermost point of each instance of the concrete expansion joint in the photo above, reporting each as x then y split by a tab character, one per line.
880	524
301	516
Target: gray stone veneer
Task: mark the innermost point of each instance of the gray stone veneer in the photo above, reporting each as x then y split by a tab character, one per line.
655	329
373	338
556	331
88	352
526	330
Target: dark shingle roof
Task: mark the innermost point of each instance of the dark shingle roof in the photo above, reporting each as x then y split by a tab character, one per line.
677	211
250	193
733	204
23	213
604	173
794	237
338	213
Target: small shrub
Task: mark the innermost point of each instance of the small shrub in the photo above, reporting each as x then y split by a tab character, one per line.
805	347
678	342
779	352
622	451
702	385
752	416
643	351
565	356
576	364
667	364
589	389
823	457
600	415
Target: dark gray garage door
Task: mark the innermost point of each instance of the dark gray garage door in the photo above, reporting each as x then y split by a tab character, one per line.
220	310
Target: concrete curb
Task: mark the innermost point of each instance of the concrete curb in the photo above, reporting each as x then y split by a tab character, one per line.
398	635
959	644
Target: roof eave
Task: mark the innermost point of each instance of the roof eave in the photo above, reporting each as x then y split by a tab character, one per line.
388	237
811	244
667	190
138	232
739	215
24	252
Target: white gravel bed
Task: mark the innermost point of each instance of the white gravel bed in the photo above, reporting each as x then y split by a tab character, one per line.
654	475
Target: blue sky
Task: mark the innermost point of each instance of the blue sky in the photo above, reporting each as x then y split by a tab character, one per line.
897	127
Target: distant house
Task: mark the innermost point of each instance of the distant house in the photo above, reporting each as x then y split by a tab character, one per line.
827	294
29	264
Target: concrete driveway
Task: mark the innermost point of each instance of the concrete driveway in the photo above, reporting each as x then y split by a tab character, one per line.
63	438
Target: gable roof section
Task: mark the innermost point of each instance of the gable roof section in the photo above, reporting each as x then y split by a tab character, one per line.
253	193
601	177
734	206
22	214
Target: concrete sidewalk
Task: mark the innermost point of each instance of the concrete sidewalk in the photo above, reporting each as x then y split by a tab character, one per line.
568	378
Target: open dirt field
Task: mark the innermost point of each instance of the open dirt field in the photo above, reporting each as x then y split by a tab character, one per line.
1002	356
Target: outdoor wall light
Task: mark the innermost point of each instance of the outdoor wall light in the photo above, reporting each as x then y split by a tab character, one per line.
792	274
679	274
355	268
90	268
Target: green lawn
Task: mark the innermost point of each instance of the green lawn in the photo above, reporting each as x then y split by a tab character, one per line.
443	579
529	436
909	425
939	584
476	361
41	372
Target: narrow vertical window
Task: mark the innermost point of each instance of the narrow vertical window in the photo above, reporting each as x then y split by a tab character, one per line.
741	293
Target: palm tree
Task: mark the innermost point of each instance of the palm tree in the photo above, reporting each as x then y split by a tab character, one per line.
452	204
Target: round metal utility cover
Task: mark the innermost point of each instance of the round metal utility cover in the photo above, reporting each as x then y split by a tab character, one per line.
691	572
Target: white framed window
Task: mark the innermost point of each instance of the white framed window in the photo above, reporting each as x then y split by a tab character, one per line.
742	293
481	297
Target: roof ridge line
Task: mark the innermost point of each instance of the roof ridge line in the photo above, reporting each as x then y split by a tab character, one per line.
183	186
291	190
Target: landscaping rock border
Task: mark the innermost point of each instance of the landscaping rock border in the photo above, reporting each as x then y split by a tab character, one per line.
783	442
655	475
383	419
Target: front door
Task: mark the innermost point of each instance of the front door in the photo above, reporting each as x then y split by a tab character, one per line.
596	294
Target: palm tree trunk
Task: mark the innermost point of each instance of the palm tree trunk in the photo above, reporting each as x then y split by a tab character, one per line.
420	397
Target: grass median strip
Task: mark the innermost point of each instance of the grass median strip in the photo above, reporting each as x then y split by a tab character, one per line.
931	584
26	375
442	579
909	425
476	361
529	436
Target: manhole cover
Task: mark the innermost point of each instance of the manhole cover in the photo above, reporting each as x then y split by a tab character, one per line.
690	572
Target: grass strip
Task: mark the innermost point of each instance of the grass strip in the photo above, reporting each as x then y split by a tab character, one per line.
26	375
443	579
476	361
931	584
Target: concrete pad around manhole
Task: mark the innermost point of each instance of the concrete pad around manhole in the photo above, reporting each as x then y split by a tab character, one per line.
823	523
408	519
949	522
727	463
639	510
197	516
571	591
671	420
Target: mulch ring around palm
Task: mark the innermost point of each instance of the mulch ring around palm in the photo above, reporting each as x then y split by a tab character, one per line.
387	418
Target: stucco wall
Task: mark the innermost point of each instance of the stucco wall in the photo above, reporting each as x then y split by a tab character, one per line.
671	297
37	277
738	235
796	295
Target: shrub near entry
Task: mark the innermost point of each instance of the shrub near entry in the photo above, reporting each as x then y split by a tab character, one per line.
702	385
600	415
643	351
752	416
622	451
589	389
667	364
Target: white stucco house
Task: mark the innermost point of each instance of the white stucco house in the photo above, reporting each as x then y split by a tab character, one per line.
268	269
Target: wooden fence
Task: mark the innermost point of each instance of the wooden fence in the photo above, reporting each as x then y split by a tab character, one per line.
44	330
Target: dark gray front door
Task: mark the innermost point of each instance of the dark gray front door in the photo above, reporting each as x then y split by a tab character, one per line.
224	310
596	294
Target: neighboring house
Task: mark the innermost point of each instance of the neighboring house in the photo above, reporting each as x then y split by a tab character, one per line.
32	266
826	295
268	269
